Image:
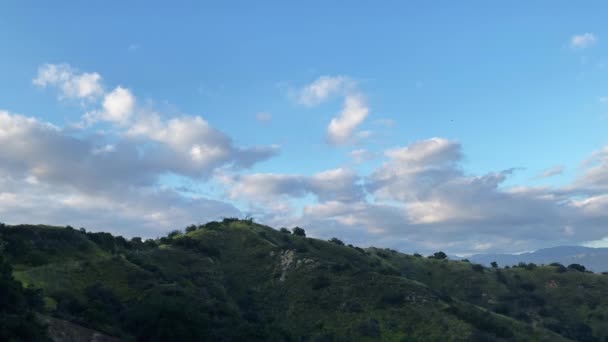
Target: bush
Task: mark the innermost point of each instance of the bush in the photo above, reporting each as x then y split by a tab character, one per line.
393	298
559	268
190	228
439	255
477	268
174	234
212	225
196	245
17	321
417	255
529	266
168	316
369	328
528	287
336	241
297	231
284	230
320	282
494	264
577	267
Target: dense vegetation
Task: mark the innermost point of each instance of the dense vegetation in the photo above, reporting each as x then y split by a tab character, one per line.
17	309
238	280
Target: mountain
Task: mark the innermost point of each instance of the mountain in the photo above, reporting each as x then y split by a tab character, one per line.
237	280
595	259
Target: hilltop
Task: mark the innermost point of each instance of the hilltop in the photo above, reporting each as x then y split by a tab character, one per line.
239	280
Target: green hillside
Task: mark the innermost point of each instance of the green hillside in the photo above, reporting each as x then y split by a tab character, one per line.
240	281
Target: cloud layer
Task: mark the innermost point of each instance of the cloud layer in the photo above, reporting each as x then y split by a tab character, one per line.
129	178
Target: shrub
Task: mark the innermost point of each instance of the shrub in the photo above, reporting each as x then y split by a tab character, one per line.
320	282
190	228
382	254
336	241
417	255
528	287
369	328
174	234
439	255
577	267
477	268
494	264
228	220
212	225
559	268
393	298
297	231
284	230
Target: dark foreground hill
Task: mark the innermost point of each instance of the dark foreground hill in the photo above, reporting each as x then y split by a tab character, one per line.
240	281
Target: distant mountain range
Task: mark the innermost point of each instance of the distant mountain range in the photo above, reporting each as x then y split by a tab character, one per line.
594	259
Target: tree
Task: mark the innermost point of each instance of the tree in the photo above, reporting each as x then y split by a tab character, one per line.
284	230
190	228
174	233
440	255
297	231
577	267
17	306
336	241
494	264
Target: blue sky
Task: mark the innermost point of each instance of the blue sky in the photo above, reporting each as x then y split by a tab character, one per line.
500	86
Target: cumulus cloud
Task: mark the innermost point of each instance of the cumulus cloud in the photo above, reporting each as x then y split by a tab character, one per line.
354	111
118	105
51	177
112	180
341	128
421	199
71	83
336	184
582	41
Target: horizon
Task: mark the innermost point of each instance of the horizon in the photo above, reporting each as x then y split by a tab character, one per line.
438	127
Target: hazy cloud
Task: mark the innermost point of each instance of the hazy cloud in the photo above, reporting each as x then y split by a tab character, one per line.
582	41
263	117
552	171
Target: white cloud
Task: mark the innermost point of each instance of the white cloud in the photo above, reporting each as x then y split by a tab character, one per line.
336	184
71	83
323	88
341	128
118	105
582	41
354	111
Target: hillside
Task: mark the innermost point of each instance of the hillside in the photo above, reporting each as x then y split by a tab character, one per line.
595	259
237	280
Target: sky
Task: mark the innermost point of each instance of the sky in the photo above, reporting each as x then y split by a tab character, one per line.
468	127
